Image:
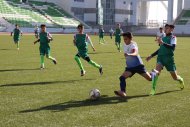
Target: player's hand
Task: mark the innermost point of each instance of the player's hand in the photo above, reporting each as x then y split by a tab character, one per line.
94	49
126	54
35	42
148	58
159	41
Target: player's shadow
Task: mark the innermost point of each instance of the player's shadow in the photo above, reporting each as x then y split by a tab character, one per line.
101	53
104	100
42	83
5	49
7	70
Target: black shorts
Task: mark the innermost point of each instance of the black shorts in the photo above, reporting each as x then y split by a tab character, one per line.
138	69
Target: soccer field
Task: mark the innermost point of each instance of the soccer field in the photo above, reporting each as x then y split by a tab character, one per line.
59	97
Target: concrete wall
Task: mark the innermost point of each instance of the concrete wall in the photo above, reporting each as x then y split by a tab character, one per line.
123	5
186	4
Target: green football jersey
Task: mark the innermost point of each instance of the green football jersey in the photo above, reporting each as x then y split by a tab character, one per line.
163	49
101	32
81	43
44	41
16	34
118	32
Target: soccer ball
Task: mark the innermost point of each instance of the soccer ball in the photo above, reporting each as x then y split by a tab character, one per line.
94	94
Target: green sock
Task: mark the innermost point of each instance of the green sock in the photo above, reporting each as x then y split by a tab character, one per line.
103	40
79	63
94	64
119	46
17	44
42	60
154	82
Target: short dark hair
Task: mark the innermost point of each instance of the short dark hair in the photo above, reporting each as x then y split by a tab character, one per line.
80	26
43	25
160	28
128	35
16	25
170	25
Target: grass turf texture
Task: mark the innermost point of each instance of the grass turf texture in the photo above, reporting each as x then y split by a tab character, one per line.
58	96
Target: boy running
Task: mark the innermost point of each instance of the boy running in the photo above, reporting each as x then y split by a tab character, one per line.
44	39
81	41
101	35
134	64
118	32
165	57
16	35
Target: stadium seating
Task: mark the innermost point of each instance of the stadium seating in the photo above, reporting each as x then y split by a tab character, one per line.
35	13
56	14
184	18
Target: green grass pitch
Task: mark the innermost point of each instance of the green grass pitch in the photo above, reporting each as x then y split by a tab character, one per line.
58	96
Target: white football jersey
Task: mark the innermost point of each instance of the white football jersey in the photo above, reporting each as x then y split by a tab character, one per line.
132	61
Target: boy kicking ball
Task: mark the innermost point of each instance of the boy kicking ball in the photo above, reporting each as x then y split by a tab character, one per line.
165	57
134	64
44	39
81	41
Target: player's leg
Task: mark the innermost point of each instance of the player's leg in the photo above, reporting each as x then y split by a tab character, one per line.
119	46
42	54
178	78
100	40
147	76
154	74
103	39
122	78
77	59
47	52
17	44
171	67
42	66
94	64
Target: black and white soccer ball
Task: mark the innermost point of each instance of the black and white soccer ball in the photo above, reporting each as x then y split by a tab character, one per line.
94	94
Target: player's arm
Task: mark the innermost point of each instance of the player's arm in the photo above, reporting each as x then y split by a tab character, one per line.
90	42
21	33
50	38
74	40
152	55
172	45
133	53
12	33
37	41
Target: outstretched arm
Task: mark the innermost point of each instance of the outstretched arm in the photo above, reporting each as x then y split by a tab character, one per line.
152	55
90	42
36	41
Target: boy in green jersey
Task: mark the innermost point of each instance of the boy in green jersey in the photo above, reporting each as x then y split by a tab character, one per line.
16	35
118	33
81	41
44	39
165	57
101	35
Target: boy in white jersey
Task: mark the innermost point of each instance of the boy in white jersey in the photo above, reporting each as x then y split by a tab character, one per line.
160	34
134	64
